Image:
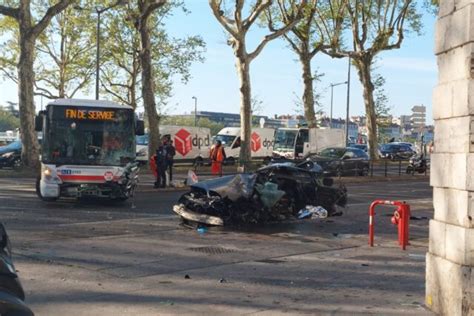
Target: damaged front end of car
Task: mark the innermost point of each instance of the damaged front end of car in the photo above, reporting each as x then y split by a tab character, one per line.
274	193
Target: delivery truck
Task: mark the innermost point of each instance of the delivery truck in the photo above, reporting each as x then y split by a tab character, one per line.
261	142
192	144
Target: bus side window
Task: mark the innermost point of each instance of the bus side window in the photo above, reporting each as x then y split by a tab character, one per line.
236	143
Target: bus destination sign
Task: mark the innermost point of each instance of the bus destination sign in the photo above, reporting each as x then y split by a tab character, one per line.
83	114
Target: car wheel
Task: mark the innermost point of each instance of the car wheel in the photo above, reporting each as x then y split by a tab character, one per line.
38	192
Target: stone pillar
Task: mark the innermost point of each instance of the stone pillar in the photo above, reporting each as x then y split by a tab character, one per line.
450	260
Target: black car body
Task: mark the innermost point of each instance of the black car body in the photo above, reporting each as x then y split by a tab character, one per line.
396	151
340	161
12	295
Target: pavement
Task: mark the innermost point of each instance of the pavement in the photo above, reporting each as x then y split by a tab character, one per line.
135	258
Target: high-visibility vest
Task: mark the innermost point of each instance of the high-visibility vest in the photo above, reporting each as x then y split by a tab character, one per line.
220	154
217	153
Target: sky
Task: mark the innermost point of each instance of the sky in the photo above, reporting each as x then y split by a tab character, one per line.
410	72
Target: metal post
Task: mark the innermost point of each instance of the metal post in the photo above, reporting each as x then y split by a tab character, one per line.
195	111
332	86
330	121
348	98
97	61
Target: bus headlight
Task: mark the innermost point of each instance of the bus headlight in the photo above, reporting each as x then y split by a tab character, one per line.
47	173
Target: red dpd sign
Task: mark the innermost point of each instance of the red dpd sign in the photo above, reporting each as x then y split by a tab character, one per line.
255	142
183	142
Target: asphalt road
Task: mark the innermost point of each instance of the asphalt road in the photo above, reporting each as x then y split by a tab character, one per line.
136	259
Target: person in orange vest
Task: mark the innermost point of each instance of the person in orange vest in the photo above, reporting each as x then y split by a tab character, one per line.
217	156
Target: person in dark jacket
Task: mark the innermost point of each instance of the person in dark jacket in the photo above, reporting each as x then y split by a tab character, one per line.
161	164
170	153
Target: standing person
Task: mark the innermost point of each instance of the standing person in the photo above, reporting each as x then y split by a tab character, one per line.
217	157
170	153
161	165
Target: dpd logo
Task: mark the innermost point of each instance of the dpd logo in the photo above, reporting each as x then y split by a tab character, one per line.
255	142
183	142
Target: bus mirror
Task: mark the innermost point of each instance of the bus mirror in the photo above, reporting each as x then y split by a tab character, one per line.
39	123
140	128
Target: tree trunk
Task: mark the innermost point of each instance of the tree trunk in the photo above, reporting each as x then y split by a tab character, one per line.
308	94
243	70
148	88
26	76
363	67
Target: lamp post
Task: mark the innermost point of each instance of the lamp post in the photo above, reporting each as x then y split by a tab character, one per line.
99	11
332	86
195	110
348	98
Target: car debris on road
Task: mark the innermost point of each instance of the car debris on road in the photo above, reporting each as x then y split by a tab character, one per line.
273	193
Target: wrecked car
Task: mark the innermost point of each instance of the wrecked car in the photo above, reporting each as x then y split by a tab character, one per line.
273	193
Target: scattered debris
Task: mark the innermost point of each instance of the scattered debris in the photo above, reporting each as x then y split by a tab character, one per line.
177	184
273	193
202	230
312	212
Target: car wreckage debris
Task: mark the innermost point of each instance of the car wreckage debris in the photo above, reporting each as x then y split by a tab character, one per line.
273	193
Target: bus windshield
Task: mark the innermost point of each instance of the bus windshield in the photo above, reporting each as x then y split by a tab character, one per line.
95	136
285	140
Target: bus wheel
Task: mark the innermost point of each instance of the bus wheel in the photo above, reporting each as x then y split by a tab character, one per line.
38	192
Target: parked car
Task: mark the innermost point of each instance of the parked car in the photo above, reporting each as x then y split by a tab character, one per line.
342	161
13	146
10	155
396	151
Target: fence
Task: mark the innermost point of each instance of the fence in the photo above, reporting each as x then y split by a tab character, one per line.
379	168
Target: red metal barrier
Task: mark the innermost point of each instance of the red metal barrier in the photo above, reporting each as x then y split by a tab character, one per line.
401	217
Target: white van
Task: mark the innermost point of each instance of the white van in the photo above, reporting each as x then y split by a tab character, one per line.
192	143
262	140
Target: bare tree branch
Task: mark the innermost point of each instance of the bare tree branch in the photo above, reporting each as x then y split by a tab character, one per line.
276	34
50	13
152	6
259	7
9	11
219	14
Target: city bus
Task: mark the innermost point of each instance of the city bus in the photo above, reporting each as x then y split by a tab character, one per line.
88	150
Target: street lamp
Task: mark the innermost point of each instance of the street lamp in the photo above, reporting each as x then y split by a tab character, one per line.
348	97
332	86
99	11
195	110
